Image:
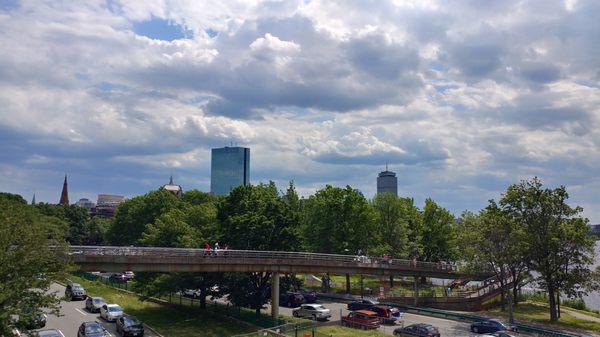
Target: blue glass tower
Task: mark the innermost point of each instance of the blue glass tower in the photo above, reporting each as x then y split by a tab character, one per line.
229	168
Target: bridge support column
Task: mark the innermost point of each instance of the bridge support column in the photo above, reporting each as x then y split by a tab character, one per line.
416	291
347	283
391	281
275	295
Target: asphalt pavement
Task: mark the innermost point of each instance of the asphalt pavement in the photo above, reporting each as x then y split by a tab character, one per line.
74	313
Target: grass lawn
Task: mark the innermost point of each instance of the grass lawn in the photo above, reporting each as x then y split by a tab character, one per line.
338	331
166	320
538	312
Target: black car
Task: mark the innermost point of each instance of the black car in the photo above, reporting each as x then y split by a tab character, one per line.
491	325
310	296
31	321
91	329
129	326
48	333
420	329
291	299
361	305
75	291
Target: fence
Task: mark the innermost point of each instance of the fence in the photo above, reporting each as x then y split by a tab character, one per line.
308	329
177	299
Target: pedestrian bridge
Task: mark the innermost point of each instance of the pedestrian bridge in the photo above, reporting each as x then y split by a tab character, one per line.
153	259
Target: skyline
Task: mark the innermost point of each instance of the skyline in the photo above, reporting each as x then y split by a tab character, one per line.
462	100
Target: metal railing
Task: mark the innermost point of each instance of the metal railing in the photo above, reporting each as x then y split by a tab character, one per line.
350	260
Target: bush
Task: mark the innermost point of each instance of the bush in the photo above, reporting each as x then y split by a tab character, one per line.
576	303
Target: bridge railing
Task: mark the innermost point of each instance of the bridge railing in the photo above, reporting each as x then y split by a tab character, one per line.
356	260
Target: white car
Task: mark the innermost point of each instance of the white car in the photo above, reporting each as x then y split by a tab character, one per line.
111	312
312	311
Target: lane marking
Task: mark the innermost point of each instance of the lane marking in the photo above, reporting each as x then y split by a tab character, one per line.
61	333
81	312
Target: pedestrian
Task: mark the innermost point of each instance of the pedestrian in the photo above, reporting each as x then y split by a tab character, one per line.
206	249
225	249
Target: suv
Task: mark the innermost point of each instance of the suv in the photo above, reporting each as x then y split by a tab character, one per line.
361	305
93	303
75	291
291	299
314	311
424	330
387	315
361	319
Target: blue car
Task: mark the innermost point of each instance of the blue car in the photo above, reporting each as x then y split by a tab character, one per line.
491	325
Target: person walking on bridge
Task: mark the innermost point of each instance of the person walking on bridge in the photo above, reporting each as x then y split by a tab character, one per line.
206	249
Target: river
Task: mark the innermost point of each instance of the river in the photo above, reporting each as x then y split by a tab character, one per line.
593	300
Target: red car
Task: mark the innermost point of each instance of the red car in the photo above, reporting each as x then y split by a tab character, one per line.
361	319
386	314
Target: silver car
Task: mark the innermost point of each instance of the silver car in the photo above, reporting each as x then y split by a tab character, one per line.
312	311
111	312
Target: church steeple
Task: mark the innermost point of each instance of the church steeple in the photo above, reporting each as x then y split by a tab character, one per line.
64	196
33	199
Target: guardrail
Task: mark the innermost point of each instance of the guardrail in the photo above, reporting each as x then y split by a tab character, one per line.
360	261
473	318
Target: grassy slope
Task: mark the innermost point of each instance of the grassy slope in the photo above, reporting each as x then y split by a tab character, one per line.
538	312
166	320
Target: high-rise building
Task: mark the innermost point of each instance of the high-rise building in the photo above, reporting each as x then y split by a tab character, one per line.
106	205
85	203
387	182
229	168
64	195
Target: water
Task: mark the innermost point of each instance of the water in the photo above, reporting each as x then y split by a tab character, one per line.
593	300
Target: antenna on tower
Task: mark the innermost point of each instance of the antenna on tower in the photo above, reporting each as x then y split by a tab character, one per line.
386	165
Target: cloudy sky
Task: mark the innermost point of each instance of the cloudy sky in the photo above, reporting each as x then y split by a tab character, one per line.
461	98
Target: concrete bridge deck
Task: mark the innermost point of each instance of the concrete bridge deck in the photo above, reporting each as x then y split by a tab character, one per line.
153	259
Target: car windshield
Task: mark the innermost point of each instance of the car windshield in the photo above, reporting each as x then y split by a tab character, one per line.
318	307
93	328
115	309
98	300
129	321
499	323
77	287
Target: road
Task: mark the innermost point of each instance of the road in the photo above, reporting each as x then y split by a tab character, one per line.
73	314
447	328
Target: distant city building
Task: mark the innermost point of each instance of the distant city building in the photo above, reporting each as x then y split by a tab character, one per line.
171	187
85	203
594	229
229	168
106	205
64	195
387	182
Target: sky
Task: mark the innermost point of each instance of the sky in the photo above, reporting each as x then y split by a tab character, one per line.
460	98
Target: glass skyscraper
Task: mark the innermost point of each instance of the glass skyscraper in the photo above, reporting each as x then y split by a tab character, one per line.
229	168
387	182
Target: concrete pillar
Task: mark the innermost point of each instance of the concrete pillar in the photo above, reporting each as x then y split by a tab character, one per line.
362	288
416	291
347	283
275	295
391	281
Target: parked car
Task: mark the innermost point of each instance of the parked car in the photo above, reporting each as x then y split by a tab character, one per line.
48	333
491	325
193	293
129	326
75	291
119	277
361	319
94	303
313	311
310	296
92	329
129	275
386	314
421	329
361	305
31	320
291	299
111	312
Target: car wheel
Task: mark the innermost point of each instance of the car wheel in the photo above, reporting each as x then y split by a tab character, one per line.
475	330
295	313
314	317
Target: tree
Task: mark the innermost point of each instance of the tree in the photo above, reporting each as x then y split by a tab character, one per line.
392	223
558	248
255	218
492	241
438	233
339	220
134	214
74	215
32	255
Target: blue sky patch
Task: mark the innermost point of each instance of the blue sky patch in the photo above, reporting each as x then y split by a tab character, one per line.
161	29
7	5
